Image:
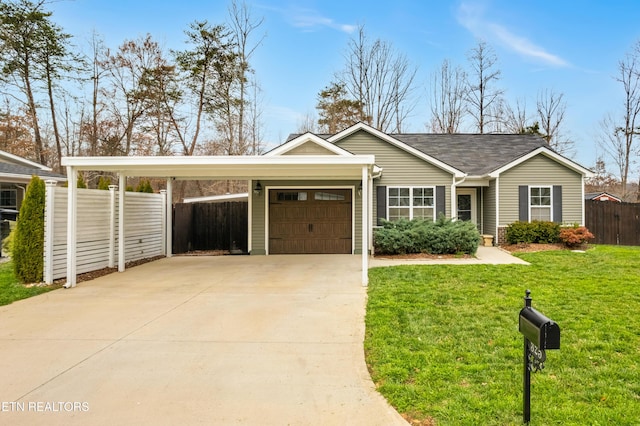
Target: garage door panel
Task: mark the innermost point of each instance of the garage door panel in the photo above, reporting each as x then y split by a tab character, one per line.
319	221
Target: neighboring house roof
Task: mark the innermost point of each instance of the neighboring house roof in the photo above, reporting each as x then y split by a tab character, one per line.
19	170
601	196
6	157
14	171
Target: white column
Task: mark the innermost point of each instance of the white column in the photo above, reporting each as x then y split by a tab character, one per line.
372	222
249	215
72	204
163	192
365	226
122	184
112	225
169	221
50	197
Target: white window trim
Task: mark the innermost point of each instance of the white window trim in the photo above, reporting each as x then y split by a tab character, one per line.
474	209
411	207
550	205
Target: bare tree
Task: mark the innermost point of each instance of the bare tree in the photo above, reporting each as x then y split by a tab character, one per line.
516	119
614	142
126	69
243	25
482	95
618	134
551	109
307	123
448	92
381	80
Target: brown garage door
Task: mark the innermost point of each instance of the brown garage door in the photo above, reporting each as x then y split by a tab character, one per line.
309	221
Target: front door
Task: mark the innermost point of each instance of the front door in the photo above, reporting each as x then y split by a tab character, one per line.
466	204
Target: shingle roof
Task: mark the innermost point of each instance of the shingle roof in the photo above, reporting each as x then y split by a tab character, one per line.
13	169
474	154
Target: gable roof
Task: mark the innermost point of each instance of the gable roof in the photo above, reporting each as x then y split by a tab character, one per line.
476	154
426	156
472	154
605	195
299	140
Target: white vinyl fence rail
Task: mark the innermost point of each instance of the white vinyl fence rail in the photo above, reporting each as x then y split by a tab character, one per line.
97	229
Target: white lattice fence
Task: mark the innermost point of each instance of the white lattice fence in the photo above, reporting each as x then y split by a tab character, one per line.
97	229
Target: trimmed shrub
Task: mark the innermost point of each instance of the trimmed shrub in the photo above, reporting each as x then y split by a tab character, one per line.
575	236
144	186
104	182
28	241
543	232
443	236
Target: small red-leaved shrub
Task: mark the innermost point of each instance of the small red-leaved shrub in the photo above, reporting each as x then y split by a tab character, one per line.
576	236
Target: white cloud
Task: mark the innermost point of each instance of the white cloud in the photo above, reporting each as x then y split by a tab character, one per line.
525	47
471	17
311	20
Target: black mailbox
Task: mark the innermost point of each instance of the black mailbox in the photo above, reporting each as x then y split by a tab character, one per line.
538	329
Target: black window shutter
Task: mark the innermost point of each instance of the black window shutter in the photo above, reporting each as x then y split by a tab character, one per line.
523	203
381	198
440	202
557	203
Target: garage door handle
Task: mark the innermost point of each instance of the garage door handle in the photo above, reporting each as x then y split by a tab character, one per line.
311	227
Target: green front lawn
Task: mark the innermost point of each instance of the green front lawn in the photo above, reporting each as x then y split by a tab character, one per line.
443	346
11	290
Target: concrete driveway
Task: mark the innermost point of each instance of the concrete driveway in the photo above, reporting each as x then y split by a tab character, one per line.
269	340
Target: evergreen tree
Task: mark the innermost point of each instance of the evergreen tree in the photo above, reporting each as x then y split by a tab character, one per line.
28	246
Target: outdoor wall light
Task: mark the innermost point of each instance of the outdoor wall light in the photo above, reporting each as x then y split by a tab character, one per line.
257	190
360	189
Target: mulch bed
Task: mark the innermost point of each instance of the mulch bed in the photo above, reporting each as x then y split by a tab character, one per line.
87	276
531	248
423	256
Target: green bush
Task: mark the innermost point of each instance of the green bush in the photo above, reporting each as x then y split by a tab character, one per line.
537	231
28	243
104	182
144	186
7	243
423	236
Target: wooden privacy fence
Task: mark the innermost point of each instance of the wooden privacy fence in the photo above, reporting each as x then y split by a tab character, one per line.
97	229
210	226
613	223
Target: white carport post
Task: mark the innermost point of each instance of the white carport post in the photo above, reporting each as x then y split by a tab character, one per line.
72	204
112	225
169	222
365	225
122	189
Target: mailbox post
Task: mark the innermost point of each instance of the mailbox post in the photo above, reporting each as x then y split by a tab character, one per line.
540	333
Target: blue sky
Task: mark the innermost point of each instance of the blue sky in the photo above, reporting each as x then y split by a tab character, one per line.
569	47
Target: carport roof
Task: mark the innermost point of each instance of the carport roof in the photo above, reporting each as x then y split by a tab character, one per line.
230	167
